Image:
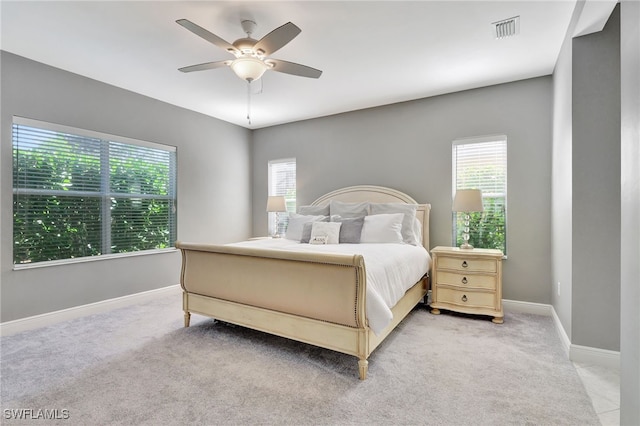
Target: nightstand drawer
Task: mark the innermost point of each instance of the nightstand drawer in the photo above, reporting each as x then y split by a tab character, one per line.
462	264
466	298
489	282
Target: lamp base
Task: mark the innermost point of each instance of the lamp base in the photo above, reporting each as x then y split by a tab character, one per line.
465	234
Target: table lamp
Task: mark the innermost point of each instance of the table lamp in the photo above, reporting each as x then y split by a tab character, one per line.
276	204
467	201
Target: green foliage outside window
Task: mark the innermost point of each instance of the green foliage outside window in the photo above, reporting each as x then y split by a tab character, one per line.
486	229
58	228
59	208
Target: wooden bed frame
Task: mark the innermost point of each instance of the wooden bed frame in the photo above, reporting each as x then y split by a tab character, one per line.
316	298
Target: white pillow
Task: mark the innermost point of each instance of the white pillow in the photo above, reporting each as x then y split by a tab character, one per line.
409	211
382	228
417	229
296	223
331	230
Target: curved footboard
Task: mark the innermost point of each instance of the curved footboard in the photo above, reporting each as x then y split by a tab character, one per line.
321	286
316	298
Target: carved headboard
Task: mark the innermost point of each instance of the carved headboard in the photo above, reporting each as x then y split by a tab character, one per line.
379	194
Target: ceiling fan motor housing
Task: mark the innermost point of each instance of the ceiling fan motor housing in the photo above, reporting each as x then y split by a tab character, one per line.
245	45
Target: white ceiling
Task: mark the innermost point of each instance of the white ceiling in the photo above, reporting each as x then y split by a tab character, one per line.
371	52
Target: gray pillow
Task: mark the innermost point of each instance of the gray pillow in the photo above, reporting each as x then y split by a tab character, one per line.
306	230
296	223
409	211
350	230
349	210
314	210
306	233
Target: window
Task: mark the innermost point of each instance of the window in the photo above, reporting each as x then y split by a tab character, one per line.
282	181
481	163
78	193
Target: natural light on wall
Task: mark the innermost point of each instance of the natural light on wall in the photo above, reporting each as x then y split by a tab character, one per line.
481	163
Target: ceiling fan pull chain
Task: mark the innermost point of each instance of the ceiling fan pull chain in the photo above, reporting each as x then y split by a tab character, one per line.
249	101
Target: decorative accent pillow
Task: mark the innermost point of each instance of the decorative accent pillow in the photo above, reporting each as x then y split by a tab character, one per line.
409	212
331	230
296	224
319	240
314	210
382	228
348	210
350	230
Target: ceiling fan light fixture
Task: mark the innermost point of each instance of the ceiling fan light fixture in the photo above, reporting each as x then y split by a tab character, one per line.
248	68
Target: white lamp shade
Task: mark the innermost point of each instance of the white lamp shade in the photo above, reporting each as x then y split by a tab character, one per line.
248	68
467	200
276	203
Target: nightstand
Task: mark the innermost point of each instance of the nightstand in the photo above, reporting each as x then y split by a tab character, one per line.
467	281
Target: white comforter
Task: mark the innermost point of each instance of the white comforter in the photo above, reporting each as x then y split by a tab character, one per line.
391	270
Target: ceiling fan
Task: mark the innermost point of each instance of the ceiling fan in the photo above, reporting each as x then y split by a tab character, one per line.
252	56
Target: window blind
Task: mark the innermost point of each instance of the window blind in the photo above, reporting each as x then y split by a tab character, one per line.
481	163
78	193
282	181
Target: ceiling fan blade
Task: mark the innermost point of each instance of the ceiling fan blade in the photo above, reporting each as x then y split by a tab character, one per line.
207	35
205	66
277	38
293	68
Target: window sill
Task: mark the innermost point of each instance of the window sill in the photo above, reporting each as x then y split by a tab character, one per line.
61	262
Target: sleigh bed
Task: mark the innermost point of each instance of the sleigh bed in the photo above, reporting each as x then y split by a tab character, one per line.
316	297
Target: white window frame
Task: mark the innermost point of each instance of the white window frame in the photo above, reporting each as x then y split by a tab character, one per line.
104	192
288	190
485	193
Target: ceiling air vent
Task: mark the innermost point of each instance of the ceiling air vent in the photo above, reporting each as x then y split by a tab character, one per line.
506	27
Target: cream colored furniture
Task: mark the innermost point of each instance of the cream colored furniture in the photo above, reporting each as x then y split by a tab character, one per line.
468	281
316	298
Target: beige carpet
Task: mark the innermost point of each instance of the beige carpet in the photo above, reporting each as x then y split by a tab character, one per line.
137	365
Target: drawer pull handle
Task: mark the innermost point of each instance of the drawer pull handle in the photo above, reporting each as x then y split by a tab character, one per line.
464	280
464	264
464	297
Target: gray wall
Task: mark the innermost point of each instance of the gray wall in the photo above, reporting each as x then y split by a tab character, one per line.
214	169
407	146
586	186
596	187
561	190
630	215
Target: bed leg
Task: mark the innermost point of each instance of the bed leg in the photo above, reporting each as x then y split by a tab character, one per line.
187	318
363	366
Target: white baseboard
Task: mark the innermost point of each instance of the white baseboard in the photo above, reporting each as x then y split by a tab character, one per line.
594	356
23	324
576	353
526	307
566	342
586	354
